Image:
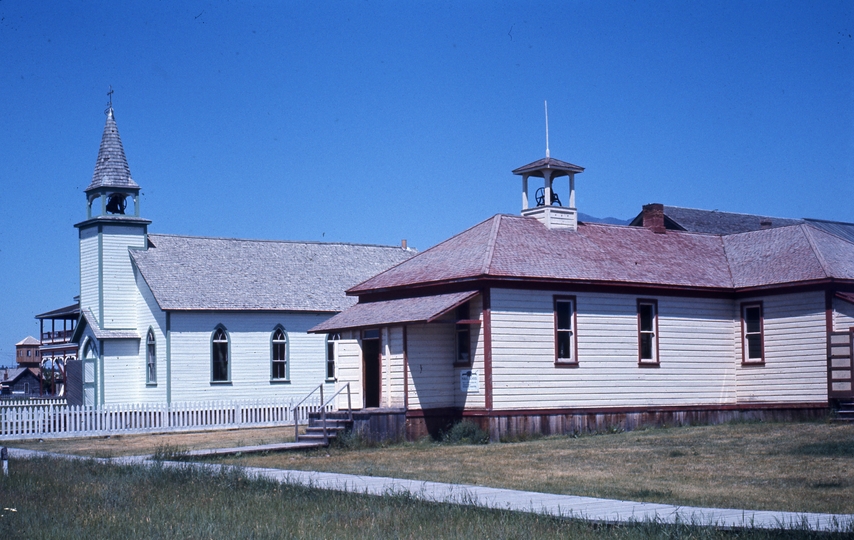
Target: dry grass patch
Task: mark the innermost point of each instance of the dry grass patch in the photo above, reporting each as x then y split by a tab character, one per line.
802	467
148	444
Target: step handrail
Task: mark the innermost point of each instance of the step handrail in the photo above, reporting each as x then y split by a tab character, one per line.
295	409
349	400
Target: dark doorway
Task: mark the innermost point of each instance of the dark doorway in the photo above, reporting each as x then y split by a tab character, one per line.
371	365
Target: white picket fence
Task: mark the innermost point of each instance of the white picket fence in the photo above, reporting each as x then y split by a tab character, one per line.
29	421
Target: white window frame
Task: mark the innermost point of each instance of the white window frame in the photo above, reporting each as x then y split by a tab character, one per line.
280	355
150	358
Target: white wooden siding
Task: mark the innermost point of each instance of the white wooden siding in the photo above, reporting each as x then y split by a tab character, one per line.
249	342
843	315
430	348
89	270
470	400
695	352
795	334
392	364
122	371
119	284
348	364
149	315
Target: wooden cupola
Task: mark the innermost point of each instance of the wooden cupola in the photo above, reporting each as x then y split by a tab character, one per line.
548	208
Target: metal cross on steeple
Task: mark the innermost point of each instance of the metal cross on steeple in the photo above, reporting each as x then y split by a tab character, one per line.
110	96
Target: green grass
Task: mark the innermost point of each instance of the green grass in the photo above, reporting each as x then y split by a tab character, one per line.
57	499
799	467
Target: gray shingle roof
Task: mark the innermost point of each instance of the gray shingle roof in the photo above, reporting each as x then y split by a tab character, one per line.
111	169
67	312
198	273
29	340
88	318
839	228
715	222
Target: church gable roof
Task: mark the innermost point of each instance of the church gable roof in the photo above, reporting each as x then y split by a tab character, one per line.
111	168
198	273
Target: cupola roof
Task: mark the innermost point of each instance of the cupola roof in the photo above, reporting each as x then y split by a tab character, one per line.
111	169
559	168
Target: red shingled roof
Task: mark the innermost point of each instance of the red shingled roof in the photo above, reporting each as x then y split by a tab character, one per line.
515	247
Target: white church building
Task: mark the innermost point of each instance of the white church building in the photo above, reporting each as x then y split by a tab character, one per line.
169	318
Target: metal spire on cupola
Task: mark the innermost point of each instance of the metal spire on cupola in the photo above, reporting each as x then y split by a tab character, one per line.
111	181
548	209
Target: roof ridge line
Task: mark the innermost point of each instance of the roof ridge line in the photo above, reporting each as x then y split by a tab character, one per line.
733	213
817	252
490	247
314	242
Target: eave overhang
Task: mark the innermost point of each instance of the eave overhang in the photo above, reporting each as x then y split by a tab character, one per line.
399	311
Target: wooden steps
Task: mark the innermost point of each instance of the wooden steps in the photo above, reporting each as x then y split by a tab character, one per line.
845	411
316	432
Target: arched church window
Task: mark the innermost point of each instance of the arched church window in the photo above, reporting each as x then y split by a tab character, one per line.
279	358
150	358
219	356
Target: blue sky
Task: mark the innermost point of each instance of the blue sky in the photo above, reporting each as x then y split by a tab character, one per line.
371	122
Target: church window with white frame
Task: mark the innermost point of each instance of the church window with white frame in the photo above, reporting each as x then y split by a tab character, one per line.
150	358
279	356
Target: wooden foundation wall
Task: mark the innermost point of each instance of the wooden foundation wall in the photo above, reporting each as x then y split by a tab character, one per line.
523	424
380	425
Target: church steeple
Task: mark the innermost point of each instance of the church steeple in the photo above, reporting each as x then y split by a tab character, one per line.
111	182
111	169
111	228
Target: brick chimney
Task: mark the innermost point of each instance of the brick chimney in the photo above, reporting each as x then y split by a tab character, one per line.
653	218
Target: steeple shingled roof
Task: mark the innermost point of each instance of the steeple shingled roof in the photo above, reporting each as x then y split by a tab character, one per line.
111	169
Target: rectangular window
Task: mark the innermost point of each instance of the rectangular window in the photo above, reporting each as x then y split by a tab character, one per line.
753	346
331	339
565	337
463	333
648	331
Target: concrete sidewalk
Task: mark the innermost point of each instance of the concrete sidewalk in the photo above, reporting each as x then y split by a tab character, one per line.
568	506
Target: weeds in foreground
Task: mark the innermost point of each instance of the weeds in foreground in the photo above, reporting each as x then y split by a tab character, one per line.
465	432
167	452
113	501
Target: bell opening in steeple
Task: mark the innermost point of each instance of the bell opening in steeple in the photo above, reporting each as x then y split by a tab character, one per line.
112	187
116	203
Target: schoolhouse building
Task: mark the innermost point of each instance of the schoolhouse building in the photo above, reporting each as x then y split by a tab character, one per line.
171	318
539	323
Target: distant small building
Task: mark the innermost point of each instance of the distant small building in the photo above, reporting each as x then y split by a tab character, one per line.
20	383
27	352
57	350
